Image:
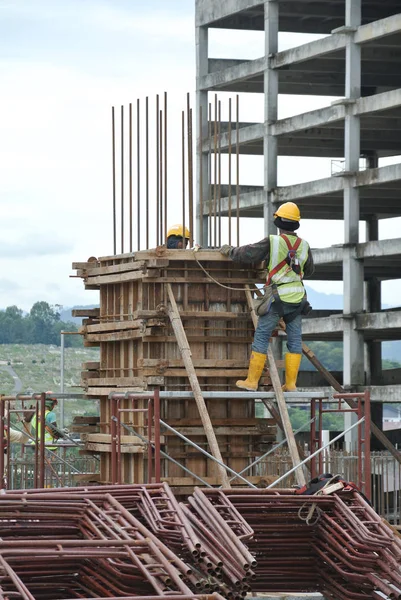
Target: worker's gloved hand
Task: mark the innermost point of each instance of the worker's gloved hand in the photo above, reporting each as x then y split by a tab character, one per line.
65	431
226	249
29	414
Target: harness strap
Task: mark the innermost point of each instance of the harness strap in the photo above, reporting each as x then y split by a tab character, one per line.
291	248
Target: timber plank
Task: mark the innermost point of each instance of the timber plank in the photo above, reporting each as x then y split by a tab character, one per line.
158	339
201	372
116	381
262	423
123	325
125	449
91	366
118	335
118	278
84	265
86	312
84	428
242	431
121	268
98	392
105	438
85	375
213	314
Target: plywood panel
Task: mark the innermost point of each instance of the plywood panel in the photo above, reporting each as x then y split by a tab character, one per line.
138	349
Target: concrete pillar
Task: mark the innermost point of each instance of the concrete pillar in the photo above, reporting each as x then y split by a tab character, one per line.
271	102
270	141
353	273
374	304
202	162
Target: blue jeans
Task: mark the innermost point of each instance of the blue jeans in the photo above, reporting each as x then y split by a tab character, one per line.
267	324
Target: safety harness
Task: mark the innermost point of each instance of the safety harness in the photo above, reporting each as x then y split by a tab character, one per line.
291	259
293	265
323	485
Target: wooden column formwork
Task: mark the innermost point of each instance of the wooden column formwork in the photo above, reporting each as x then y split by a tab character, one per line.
138	352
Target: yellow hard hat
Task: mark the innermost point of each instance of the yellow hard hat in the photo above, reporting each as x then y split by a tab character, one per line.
288	210
178	230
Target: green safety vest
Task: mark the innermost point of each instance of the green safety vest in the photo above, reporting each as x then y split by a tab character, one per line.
49	439
289	284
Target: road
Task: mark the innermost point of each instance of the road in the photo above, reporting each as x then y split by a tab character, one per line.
17	381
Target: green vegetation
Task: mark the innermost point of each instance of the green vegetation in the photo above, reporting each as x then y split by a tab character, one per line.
37	369
301	416
42	325
330	355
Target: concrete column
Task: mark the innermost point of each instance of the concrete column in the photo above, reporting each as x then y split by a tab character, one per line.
374	304
271	102
353	273
202	162
374	349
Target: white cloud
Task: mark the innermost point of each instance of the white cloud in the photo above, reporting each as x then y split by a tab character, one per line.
59	82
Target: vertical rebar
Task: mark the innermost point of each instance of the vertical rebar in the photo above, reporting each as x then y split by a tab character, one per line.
367	466
113	138
165	168
161	154
149	434
113	436
219	170
147	170
215	173
138	169
190	171
183	168
122	179
200	150
130	177
157	171
229	168
237	165
42	440
210	174
3	446
156	416
37	479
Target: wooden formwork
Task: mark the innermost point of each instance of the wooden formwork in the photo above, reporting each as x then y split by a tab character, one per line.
139	351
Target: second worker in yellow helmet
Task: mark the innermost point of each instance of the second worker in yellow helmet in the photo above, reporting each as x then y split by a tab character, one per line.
177	237
289	259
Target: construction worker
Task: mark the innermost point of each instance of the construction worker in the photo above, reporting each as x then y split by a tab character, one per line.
289	259
52	433
176	239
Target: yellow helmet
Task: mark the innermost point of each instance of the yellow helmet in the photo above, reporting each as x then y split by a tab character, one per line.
179	231
288	210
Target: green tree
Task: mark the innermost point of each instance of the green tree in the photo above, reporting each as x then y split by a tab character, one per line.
42	319
12	326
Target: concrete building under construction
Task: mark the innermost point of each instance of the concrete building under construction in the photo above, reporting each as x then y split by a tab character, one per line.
359	62
174	328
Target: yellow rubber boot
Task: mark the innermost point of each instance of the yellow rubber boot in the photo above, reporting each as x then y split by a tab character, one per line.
292	362
256	365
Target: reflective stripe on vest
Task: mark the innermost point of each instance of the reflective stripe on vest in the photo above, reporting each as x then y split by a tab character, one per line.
289	284
49	439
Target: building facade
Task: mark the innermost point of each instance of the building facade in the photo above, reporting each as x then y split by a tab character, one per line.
359	62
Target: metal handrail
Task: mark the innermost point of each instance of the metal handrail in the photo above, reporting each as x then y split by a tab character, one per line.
303	462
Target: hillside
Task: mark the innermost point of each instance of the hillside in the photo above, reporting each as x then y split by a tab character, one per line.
36	368
391	350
